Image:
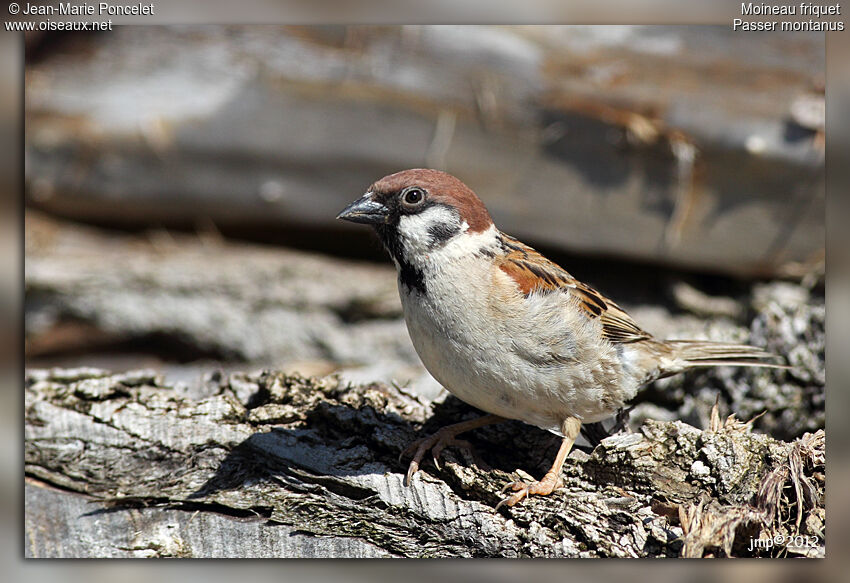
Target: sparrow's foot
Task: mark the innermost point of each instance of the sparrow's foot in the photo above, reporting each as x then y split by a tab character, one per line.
544	487
552	480
445	437
436	443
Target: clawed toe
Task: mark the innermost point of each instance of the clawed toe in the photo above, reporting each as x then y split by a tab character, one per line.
522	490
418	448
513	498
437	449
441	440
515	486
448	436
410	448
436	443
411	470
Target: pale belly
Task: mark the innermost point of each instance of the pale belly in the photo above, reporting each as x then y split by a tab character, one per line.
534	368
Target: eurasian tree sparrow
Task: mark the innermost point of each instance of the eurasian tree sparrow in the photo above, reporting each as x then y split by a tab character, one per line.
505	329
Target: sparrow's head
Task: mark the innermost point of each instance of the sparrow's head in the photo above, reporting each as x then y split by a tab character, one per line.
417	211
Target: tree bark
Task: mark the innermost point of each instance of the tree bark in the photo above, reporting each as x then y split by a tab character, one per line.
270	465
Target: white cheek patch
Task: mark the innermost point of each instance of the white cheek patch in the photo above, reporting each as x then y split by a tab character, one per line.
470	244
416	230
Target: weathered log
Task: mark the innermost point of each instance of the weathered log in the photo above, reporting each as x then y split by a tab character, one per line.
675	145
269	465
204	294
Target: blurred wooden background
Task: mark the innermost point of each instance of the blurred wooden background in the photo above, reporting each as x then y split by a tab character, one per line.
687	146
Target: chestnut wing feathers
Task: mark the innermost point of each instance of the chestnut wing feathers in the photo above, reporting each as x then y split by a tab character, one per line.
534	273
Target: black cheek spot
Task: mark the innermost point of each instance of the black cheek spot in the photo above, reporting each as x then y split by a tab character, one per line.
442	232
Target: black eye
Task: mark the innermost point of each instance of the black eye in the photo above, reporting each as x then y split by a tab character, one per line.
413	196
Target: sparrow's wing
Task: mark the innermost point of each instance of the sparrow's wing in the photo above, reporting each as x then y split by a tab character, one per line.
534	273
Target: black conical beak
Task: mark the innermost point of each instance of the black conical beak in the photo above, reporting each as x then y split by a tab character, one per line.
365	210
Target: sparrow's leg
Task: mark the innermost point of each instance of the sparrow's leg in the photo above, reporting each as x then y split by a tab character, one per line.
440	440
552	480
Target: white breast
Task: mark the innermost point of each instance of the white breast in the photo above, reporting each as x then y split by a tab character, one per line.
535	359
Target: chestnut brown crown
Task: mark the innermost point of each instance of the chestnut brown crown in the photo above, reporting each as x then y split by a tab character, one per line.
440	187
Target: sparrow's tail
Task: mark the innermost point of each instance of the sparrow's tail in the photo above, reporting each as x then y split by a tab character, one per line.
699	353
668	357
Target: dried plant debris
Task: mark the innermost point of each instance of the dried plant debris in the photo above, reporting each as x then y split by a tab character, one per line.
318	458
791	495
768	526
